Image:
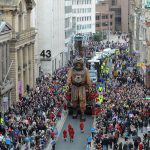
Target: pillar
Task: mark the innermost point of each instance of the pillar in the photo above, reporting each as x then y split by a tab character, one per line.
26	61
1	62
22	72
28	19
32	65
14	75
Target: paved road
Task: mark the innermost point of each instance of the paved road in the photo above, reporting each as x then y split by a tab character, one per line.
80	138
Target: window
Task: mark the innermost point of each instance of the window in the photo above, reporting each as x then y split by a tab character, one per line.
68	9
97	25
104	24
52	65
67	22
78	10
114	2
89	26
103	17
111	23
88	10
111	16
83	10
88	1
74	10
97	18
55	64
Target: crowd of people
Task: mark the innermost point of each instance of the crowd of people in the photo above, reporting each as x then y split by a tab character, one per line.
121	43
121	124
30	122
124	117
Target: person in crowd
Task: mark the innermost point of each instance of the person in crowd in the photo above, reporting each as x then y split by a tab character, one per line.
82	127
89	140
125	112
33	117
65	134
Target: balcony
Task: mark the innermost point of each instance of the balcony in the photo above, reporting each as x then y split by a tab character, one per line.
26	34
7	86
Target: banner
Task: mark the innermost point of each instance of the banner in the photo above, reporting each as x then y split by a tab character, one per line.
20	87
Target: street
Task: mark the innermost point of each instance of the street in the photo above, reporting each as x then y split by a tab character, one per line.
80	138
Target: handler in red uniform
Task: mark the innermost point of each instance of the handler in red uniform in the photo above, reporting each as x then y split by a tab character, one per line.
82	126
69	126
65	135
72	135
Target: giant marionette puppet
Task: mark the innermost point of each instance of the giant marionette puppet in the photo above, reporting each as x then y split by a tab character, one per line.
79	81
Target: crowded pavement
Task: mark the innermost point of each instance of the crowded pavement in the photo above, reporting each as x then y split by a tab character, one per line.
121	120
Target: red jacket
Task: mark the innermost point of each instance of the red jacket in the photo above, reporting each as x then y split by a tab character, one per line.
140	146
71	133
81	125
64	133
52	134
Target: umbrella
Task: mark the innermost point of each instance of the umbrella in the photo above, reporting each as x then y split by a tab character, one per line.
92	129
27	139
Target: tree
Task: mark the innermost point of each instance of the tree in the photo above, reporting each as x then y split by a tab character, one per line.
99	36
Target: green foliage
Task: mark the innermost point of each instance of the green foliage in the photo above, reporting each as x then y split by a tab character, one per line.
99	36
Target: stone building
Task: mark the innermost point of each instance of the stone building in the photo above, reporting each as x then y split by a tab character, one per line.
17	13
6	83
139	27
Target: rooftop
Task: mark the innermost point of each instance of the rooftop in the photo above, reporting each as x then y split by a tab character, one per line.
5	27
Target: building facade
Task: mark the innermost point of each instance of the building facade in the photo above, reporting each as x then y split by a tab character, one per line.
6	83
17	14
105	19
120	9
139	25
50	34
68	52
84	16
